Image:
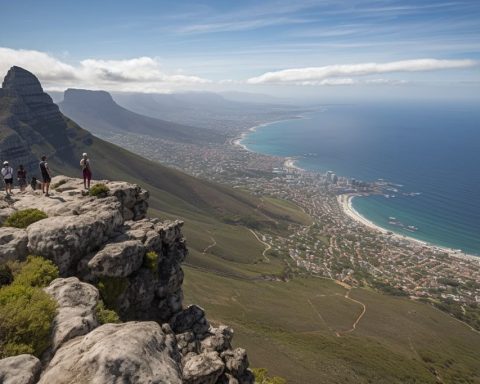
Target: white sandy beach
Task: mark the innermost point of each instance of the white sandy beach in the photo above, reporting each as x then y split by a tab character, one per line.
345	202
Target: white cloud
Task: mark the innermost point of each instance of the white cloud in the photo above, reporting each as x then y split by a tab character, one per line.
143	74
44	66
312	74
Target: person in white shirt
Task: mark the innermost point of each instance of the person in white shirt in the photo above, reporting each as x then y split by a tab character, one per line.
86	170
7	174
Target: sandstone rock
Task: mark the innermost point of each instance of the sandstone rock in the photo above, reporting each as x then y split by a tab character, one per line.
118	259
205	368
13	244
186	319
217	339
66	239
21	369
134	352
76	309
236	361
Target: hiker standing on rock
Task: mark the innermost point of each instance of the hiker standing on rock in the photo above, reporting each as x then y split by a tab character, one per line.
45	175
22	178
7	173
87	171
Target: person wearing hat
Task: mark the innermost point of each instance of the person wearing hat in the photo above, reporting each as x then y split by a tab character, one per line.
7	174
86	170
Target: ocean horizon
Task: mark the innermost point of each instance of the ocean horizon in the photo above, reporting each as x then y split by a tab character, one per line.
431	152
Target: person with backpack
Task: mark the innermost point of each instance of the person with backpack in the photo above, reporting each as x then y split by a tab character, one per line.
7	174
45	171
22	178
86	170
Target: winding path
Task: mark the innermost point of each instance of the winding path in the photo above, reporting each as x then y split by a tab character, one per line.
267	246
354	326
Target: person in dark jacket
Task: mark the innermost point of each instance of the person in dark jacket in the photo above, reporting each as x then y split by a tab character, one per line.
22	178
46	176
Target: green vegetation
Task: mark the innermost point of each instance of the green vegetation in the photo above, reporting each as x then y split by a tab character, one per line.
291	329
105	315
261	377
26	311
99	190
23	218
150	261
110	289
36	272
59	183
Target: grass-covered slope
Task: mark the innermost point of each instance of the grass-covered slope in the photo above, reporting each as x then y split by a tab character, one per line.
303	331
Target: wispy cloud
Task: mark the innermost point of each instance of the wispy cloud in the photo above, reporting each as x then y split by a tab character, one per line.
298	75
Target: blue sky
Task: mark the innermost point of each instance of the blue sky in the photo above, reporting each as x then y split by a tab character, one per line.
285	47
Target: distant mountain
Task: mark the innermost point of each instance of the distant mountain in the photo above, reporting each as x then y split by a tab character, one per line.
205	109
101	115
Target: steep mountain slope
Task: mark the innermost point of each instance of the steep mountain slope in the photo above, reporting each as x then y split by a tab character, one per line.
99	112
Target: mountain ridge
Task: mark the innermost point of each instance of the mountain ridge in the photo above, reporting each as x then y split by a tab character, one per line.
99	112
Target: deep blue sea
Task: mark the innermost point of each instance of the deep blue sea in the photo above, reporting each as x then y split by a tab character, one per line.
430	149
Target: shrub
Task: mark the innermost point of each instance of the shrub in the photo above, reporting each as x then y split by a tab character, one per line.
59	183
261	377
105	315
111	288
23	218
150	261
99	190
26	317
6	275
36	272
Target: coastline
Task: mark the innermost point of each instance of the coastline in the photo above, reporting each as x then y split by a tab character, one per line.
345	202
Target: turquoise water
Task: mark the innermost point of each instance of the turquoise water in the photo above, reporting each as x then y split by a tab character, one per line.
433	150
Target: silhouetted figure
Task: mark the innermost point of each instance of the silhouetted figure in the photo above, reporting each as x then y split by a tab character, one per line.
22	178
46	177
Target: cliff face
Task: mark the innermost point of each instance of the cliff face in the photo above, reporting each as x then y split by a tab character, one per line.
136	264
29	120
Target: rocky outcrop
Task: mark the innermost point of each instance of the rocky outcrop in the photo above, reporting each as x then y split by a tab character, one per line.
116	353
13	244
76	309
136	264
21	369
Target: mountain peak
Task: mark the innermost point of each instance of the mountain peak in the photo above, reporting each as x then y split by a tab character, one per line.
22	81
25	84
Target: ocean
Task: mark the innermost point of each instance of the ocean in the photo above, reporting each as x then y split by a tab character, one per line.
432	150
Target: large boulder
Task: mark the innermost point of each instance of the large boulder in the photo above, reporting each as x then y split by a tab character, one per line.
205	368
66	239
236	361
192	318
76	309
21	369
13	244
118	259
134	352
217	339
